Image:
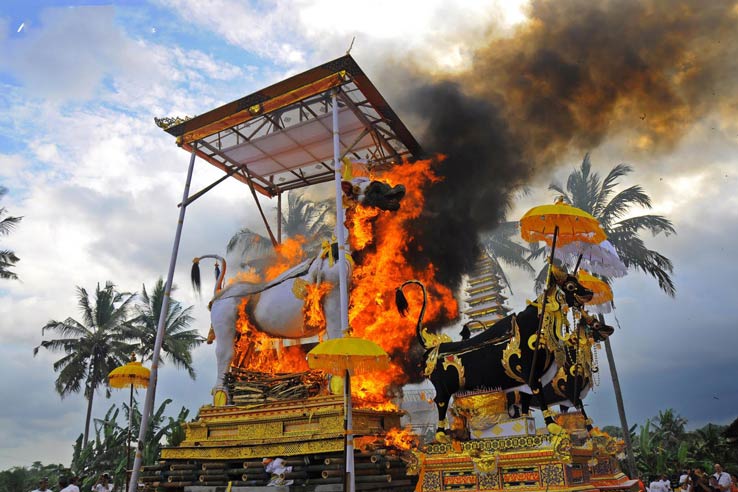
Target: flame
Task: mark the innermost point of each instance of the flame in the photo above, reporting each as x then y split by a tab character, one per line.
289	254
360	219
245	276
255	351
380	240
313	308
384	267
403	439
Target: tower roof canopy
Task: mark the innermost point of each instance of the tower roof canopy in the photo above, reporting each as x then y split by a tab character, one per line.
281	137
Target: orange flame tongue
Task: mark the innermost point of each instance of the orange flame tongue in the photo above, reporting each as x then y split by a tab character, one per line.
313	308
256	351
403	439
289	254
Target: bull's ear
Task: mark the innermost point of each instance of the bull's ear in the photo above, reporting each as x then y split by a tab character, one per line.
605	331
348	188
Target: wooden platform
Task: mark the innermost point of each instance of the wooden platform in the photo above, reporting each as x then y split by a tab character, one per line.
285	428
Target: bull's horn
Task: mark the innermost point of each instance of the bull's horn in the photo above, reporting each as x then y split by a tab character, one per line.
559	274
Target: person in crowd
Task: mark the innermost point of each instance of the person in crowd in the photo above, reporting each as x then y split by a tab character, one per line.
685	484
657	485
103	484
64	485
720	480
43	485
665	483
699	480
734	477
641	486
74	483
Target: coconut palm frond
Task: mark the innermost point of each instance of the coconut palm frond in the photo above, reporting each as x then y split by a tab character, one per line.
657	224
621	204
608	186
585	190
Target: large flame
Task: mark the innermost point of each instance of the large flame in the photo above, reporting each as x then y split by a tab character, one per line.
256	351
382	239
288	254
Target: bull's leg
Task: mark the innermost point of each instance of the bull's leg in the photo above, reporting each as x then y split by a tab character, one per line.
551	424
513	409
223	315
442	399
525	399
224	356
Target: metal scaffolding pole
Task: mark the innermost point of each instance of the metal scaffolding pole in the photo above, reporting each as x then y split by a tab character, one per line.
343	290
151	390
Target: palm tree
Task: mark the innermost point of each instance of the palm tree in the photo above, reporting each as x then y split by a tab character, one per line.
178	341
670	426
7	257
585	190
307	218
500	244
93	347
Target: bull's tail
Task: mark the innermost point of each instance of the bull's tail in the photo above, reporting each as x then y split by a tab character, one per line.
195	275
219	273
402	305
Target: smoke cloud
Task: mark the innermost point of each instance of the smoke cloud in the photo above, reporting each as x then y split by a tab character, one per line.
574	74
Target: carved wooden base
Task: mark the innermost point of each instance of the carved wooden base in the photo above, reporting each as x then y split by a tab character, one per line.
526	463
280	429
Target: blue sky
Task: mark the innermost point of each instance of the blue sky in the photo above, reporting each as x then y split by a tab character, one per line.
97	184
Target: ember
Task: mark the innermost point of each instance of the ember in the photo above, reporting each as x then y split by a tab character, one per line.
403	439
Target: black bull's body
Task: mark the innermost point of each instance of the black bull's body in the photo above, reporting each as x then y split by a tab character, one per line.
502	357
572	380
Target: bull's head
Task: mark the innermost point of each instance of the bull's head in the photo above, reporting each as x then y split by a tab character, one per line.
374	193
598	331
575	293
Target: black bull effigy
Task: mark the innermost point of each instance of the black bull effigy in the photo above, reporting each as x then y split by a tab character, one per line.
504	356
573	380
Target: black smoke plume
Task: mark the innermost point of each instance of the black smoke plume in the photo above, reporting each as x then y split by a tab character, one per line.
576	73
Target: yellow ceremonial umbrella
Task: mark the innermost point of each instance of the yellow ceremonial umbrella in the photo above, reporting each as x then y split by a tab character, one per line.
345	356
562	223
558	222
602	291
135	375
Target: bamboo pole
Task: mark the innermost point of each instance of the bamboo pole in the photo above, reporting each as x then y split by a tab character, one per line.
154	371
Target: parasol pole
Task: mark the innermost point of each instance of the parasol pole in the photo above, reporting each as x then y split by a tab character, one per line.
340	236
151	390
130	426
543	307
348	436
